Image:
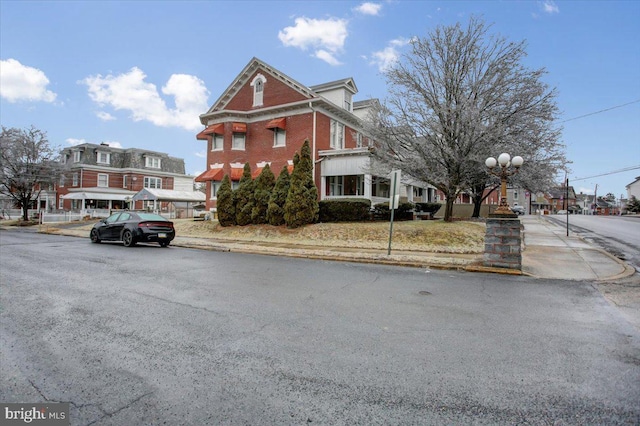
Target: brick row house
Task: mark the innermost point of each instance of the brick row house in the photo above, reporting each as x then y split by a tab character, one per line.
104	178
264	116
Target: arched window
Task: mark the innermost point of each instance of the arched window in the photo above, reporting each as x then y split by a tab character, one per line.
258	89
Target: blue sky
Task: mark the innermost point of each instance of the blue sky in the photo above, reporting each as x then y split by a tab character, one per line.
138	73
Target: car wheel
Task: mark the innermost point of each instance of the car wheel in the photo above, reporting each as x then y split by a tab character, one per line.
164	243
127	239
95	237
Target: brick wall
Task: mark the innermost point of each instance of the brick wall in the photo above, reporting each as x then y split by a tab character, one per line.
502	244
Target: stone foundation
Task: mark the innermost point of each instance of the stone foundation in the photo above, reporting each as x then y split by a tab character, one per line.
502	243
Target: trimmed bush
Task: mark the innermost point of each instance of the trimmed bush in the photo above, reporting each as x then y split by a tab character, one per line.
275	210
344	210
301	207
428	207
244	197
226	207
403	212
264	184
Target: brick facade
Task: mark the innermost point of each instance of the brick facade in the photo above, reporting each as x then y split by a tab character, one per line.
308	116
121	174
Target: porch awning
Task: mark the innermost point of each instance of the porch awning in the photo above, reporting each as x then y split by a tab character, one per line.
94	196
212	174
169	195
278	123
239	127
216	128
236	174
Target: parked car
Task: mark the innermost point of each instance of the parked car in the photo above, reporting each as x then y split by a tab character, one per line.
561	212
134	227
518	209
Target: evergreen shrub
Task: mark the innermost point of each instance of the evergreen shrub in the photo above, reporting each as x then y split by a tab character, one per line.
344	210
403	212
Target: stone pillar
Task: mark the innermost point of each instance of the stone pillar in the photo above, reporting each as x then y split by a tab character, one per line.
502	243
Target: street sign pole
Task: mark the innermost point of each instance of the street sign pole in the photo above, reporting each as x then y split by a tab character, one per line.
393	202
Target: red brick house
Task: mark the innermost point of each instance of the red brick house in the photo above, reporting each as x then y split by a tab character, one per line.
103	178
264	116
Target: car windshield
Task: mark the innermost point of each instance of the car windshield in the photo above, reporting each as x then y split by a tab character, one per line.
151	216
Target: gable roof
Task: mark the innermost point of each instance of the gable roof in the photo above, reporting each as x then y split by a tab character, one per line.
309	94
242	78
346	83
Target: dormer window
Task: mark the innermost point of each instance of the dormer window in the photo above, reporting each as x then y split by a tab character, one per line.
76	156
104	157
347	101
152	162
258	89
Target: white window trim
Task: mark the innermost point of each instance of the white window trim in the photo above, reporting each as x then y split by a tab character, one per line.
213	142
278	131
258	95
233	142
149	162
75	180
337	142
76	156
148	179
107	154
215	187
103	175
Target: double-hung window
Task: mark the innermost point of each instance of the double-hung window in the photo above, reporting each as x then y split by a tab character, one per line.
75	179
103	180
258	89
214	189
152	162
217	142
104	158
76	156
279	137
337	135
238	141
153	182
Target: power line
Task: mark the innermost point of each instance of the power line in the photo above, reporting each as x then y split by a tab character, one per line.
626	169
601	111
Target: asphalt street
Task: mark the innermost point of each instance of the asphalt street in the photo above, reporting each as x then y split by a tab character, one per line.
147	335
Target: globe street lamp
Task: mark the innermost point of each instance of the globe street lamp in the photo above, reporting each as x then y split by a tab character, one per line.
507	166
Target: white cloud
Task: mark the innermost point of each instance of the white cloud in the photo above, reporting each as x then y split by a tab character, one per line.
549	6
369	8
113	144
327	57
325	36
387	57
73	141
105	116
23	83
201	154
130	92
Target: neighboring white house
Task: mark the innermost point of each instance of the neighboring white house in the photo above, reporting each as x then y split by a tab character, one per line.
633	189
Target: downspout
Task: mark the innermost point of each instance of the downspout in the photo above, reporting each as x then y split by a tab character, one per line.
313	140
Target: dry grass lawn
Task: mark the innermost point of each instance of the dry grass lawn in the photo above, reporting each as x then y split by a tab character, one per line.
428	236
435	236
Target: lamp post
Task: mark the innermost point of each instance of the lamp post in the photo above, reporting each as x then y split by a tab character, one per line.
504	167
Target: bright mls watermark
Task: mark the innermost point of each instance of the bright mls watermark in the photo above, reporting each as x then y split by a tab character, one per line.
47	414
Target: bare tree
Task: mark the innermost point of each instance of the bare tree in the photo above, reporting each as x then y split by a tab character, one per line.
28	165
460	96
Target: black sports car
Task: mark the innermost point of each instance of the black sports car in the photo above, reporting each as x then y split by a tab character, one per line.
134	227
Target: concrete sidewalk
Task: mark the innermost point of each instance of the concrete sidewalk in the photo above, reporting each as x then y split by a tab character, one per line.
547	253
